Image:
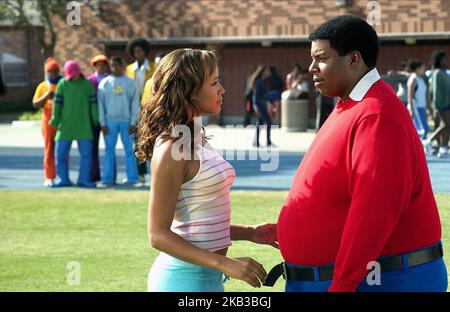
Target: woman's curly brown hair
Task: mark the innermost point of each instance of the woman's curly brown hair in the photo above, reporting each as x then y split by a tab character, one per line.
174	86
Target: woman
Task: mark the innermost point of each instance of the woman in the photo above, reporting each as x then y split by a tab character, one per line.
274	85
417	98
100	64
43	98
189	207
260	103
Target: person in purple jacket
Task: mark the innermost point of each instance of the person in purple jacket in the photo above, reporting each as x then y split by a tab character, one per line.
101	71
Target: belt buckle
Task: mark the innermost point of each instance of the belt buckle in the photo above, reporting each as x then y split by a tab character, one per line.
284	271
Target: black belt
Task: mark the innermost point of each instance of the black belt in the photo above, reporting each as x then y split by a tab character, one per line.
387	264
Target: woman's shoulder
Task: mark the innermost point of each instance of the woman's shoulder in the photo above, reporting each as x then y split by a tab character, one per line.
171	149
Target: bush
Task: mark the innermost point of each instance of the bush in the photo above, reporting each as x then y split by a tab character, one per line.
27	116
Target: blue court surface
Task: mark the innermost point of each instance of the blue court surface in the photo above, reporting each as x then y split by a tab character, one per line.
21	168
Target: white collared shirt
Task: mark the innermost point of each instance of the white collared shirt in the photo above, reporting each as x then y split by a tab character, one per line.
363	85
140	75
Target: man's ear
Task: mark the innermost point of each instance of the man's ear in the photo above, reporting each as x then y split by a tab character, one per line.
355	59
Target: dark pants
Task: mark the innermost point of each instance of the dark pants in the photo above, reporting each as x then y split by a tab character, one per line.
95	170
142	168
428	277
263	118
249	111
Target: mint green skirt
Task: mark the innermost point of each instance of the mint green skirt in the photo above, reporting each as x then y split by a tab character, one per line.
169	274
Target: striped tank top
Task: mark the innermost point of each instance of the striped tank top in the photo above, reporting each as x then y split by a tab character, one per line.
202	214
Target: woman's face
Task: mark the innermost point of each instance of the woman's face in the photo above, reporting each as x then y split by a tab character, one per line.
101	68
210	96
421	70
53	74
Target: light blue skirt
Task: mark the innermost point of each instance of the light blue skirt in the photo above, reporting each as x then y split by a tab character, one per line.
169	274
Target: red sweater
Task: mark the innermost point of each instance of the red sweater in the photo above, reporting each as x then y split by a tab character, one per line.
362	191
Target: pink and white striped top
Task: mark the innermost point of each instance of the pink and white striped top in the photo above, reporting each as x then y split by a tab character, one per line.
203	212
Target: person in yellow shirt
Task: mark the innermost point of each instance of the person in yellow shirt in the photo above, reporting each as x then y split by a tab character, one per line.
43	98
148	89
140	71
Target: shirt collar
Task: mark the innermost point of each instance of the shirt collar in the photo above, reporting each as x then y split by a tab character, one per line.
363	85
146	65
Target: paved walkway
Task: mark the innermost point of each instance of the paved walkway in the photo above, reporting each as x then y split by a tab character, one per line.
21	155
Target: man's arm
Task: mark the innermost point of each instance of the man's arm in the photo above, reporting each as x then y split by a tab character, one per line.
134	102
58	105
93	105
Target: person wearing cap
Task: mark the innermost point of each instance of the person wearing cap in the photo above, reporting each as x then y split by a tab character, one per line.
74	114
101	71
140	71
43	98
361	213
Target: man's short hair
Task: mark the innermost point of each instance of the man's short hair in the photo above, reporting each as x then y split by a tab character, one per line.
436	58
138	42
118	60
347	33
414	64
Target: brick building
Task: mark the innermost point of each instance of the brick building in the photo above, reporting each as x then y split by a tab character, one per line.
249	32
20	62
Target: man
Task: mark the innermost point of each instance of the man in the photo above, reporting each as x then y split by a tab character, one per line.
148	84
140	71
362	192
43	98
440	97
118	103
74	114
101	70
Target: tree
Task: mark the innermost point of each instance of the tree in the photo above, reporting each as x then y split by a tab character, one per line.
18	12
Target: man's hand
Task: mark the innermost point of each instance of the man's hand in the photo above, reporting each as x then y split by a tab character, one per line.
50	95
266	234
105	130
131	129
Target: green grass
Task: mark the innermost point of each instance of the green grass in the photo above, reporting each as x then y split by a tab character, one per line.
105	232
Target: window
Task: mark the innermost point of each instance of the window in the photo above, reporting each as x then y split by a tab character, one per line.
14	57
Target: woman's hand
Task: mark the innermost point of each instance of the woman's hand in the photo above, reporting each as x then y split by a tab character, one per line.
265	233
245	269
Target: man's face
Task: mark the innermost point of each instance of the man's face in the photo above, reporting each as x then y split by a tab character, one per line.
139	54
116	69
330	70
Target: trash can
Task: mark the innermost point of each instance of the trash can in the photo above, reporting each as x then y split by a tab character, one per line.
294	115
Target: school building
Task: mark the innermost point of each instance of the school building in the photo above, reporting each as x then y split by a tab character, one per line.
245	33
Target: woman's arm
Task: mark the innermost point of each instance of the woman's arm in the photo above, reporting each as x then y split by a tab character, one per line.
167	176
411	90
39	102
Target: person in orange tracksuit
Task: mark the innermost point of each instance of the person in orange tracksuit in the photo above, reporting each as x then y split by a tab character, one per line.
43	98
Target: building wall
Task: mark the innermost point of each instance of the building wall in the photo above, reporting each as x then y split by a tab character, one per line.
23	94
212	18
155	19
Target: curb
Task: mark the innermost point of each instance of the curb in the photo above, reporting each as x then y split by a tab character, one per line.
25	124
